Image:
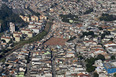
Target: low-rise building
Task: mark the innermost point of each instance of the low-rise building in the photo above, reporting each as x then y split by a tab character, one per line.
25	31
17	38
7	39
110	67
36	30
12	27
34	18
25	18
30	34
17	34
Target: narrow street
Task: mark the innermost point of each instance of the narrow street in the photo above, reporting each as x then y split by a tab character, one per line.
28	67
53	64
28	70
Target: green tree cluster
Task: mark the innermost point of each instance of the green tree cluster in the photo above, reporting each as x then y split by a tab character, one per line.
115	75
72	38
112	57
89	65
91	61
104	34
107	17
101	57
66	18
87	34
89	11
100	28
95	74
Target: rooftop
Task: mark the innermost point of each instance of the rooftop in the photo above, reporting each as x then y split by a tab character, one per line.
56	41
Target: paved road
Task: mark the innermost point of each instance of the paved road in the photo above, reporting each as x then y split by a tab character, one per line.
28	71
53	64
28	67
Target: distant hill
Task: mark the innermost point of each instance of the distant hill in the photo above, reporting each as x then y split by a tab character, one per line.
5	0
7	15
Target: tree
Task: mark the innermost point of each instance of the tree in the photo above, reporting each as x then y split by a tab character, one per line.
90	68
80	57
111	39
91	61
115	75
100	28
1	56
4	41
89	65
107	32
87	34
113	57
10	41
95	74
66	18
102	36
91	33
89	11
107	17
101	57
72	38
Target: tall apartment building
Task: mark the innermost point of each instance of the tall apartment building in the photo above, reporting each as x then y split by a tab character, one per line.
12	27
25	18
34	18
0	27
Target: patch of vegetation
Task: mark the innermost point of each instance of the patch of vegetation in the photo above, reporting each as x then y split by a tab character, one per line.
104	34
115	75
87	34
70	18
107	17
89	65
95	74
111	39
37	37
101	57
5	50
91	61
90	68
100	28
2	60
80	57
112	57
89	11
71	39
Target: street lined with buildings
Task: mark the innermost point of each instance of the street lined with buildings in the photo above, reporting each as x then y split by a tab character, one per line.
81	41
